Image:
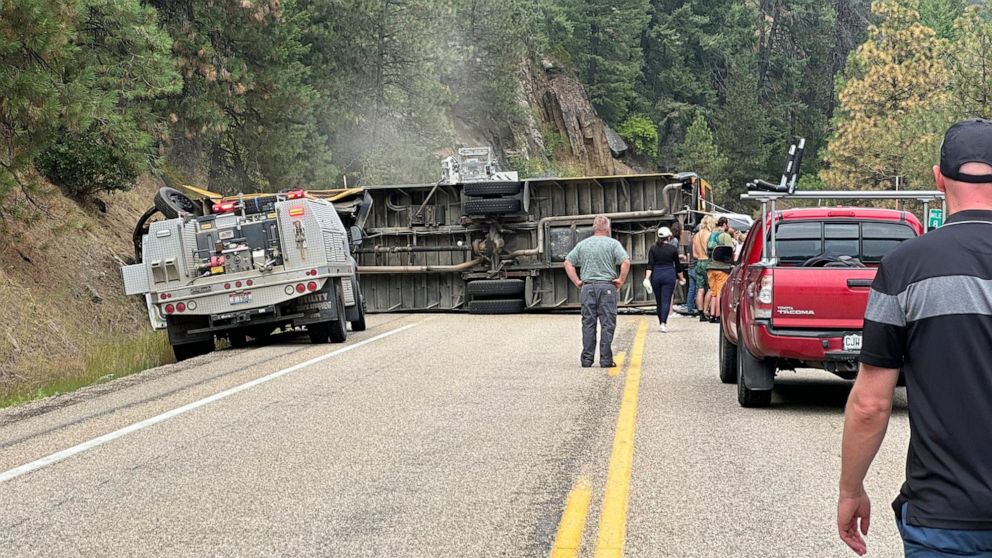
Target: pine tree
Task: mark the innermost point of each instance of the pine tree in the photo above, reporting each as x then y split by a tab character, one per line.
699	153
78	79
892	88
744	134
970	64
606	47
247	110
941	16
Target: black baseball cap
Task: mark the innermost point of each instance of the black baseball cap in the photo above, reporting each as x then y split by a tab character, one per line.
968	141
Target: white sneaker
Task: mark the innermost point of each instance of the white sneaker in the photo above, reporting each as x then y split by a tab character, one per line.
663	328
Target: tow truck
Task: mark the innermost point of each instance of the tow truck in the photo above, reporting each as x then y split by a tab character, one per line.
796	296
231	267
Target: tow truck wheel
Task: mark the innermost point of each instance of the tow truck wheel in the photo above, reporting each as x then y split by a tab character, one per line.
319	333
192	350
173	203
338	329
728	360
749	365
493	188
238	339
359	324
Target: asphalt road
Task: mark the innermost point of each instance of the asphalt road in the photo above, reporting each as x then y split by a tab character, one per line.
457	436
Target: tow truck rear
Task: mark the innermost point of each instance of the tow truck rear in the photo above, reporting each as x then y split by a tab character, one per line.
244	266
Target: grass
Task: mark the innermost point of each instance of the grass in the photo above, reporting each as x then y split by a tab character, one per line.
102	361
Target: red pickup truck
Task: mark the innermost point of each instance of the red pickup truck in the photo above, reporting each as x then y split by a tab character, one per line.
804	306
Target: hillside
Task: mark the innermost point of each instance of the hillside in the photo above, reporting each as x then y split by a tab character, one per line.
64	313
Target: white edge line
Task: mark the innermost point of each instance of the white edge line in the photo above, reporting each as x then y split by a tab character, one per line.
99	441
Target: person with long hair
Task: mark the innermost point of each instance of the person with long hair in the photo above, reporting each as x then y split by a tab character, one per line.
664	269
700	253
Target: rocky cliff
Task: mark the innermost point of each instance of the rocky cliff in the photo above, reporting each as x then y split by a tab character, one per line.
560	131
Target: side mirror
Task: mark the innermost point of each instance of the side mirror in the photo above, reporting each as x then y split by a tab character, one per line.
357	237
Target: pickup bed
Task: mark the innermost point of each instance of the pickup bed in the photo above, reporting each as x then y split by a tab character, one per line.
804	307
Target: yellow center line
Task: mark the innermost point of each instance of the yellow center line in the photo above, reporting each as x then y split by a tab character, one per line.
573	521
618	359
613	519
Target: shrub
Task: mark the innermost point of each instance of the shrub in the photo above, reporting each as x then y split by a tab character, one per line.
83	164
641	134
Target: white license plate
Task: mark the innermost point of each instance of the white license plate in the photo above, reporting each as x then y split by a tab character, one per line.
245	298
852	342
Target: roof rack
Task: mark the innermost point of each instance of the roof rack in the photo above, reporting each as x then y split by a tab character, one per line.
926	197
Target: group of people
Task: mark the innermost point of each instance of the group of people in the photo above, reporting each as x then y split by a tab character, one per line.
707	268
604	266
941	345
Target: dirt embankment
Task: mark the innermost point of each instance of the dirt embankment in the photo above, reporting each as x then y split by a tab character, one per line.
61	295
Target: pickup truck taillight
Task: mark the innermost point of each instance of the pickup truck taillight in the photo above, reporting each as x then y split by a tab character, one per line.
761	304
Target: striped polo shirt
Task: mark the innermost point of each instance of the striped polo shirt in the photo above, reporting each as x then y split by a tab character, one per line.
930	314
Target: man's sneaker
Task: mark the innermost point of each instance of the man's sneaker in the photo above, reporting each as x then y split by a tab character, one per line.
609	365
586	365
663	328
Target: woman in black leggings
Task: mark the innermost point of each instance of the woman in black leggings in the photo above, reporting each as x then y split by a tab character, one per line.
664	269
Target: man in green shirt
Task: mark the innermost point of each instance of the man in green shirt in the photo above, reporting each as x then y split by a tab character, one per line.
597	258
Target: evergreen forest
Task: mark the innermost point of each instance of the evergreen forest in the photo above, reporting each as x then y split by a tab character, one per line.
250	95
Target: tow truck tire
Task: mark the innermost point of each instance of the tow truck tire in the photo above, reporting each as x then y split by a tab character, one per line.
493	189
496	287
173	203
238	339
319	333
338	329
496	307
728	360
498	206
192	350
749	365
359	324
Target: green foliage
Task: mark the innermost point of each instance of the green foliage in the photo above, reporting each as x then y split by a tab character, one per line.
745	135
970	64
641	134
604	40
941	15
83	164
699	153
80	67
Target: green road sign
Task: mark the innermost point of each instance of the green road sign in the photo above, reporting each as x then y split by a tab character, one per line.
936	218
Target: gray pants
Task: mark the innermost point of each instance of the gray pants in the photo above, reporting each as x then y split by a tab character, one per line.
599	302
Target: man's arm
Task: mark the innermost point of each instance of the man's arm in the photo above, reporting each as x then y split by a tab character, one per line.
624	270
572	275
866	418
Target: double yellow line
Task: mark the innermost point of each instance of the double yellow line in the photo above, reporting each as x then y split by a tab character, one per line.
613	516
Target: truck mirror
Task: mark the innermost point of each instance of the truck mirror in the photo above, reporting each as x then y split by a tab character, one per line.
356	236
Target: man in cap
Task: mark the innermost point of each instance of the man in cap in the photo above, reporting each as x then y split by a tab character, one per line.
929	316
597	258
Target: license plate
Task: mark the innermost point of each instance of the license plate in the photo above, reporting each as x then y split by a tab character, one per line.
852	342
245	298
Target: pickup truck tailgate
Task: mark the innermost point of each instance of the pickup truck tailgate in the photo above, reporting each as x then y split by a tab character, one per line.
820	298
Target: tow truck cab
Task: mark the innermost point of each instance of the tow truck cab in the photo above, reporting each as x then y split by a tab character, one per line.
805	306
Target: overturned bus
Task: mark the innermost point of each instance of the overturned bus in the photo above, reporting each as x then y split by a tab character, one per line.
484	241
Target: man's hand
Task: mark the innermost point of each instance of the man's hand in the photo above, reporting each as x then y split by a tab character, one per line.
578	284
617	283
853	519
